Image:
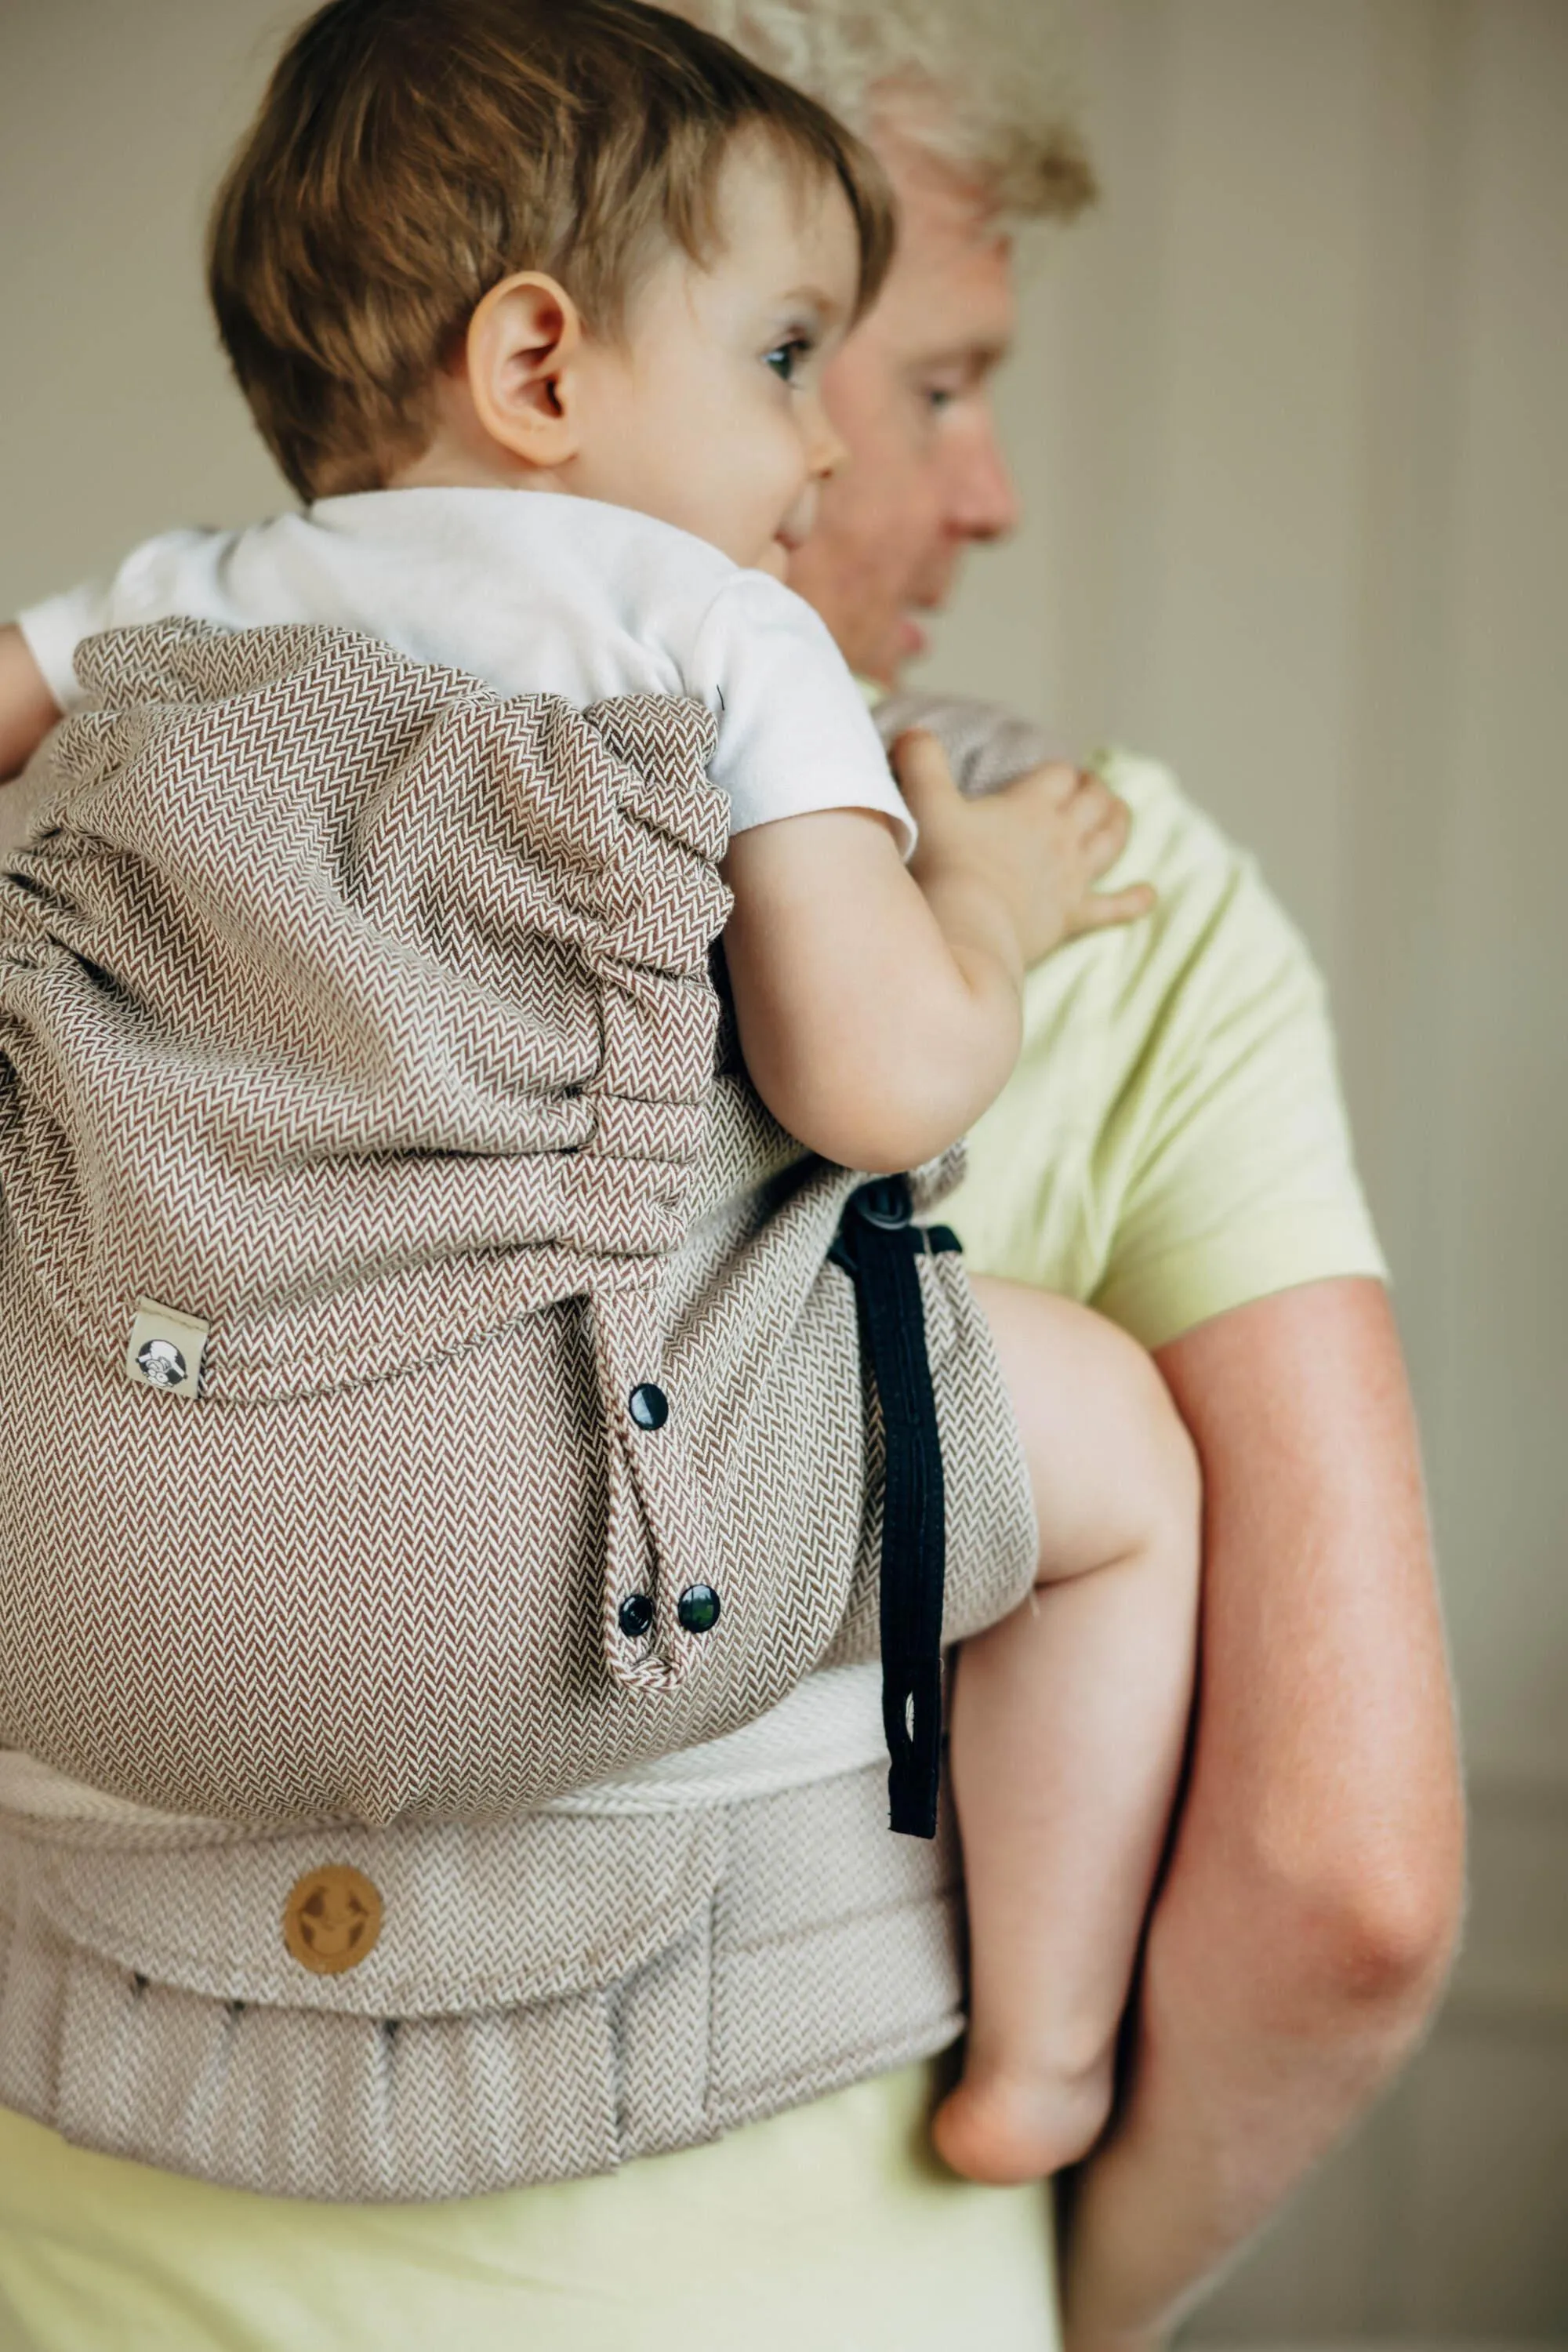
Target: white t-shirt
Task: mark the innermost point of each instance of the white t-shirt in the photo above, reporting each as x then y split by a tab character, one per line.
534	593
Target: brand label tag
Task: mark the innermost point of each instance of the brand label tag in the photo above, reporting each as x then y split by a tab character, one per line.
165	1350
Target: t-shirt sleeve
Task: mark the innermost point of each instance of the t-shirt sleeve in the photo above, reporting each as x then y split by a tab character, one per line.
1174	1142
795	734
177	573
1228	1155
54	629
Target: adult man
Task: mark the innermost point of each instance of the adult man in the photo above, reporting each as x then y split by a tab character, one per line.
1311	1894
1314	1882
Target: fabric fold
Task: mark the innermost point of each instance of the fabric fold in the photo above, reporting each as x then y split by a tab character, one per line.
322	967
426	1392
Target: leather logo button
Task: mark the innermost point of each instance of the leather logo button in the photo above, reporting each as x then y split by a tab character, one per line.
331	1919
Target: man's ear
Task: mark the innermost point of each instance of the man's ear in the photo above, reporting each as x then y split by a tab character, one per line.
522	343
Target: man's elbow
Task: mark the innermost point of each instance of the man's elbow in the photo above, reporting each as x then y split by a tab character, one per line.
1322	1933
1360	1934
1384	1941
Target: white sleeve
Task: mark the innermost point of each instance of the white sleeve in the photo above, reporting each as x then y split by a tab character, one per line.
54	629
177	573
795	734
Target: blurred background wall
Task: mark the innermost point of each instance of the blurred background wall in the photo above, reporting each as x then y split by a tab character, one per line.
1291	415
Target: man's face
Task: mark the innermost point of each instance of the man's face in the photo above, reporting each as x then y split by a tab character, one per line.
908	395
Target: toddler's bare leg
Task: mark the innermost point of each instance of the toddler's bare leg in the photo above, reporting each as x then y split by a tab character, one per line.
1069	1720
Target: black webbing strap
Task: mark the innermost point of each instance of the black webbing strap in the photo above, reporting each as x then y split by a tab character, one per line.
879	1244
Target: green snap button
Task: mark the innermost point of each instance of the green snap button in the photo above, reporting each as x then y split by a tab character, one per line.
698	1608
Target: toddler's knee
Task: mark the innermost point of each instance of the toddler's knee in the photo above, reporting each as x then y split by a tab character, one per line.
1130	1391
1160	1473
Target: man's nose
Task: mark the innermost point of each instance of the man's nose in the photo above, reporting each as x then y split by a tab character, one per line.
982	501
826	453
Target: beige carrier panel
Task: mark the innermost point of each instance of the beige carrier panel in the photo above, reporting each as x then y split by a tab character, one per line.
375	1445
388	1354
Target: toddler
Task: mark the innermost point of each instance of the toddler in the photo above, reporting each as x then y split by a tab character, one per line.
531	300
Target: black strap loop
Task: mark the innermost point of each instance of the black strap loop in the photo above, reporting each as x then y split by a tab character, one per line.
879	1246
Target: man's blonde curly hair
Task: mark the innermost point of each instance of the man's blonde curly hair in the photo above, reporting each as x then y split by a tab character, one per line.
979	83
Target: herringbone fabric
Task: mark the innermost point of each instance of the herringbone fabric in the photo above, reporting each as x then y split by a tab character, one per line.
986	748
367	1018
549	1997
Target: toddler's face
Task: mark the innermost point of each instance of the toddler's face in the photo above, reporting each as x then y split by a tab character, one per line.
708	414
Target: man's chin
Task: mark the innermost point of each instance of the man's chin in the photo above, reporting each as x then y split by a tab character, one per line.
876	641
883	655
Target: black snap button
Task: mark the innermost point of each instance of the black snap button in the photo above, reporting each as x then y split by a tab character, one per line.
698	1609
648	1406
636	1613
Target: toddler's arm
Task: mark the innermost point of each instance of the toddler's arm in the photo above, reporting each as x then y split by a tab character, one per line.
879	1006
27	708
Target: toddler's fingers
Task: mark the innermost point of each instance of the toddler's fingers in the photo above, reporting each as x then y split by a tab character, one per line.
1104	836
921	768
1091	800
1102	908
1059	783
1054	787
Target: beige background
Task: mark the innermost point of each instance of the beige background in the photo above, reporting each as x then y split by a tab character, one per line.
1291	415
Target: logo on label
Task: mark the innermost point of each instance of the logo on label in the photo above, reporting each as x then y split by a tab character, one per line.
160	1362
165	1350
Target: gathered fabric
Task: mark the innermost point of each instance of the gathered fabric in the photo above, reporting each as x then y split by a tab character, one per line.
427	1395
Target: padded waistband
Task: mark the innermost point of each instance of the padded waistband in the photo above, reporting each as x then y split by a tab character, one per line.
546	1998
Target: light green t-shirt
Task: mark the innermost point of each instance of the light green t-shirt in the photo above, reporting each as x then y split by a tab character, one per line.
1173	1141
1172	1145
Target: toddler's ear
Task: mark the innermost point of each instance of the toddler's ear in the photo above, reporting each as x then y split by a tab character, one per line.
522	343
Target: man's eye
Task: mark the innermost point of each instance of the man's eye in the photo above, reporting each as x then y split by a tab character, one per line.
784	358
939	396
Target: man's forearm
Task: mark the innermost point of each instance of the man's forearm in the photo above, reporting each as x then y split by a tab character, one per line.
1227	2108
1314	1887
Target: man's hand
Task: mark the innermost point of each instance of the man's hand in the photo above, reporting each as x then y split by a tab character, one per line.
1038	847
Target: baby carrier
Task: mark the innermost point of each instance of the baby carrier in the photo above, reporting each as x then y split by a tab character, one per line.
433	1384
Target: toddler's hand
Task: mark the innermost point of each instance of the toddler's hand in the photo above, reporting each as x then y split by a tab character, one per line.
1039	844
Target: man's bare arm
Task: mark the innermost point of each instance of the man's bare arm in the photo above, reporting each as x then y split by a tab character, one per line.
27	708
1315	1886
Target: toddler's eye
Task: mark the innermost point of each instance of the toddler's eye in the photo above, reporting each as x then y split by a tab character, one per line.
785	358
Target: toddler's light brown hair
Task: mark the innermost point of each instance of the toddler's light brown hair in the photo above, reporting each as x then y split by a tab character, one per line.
409	154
